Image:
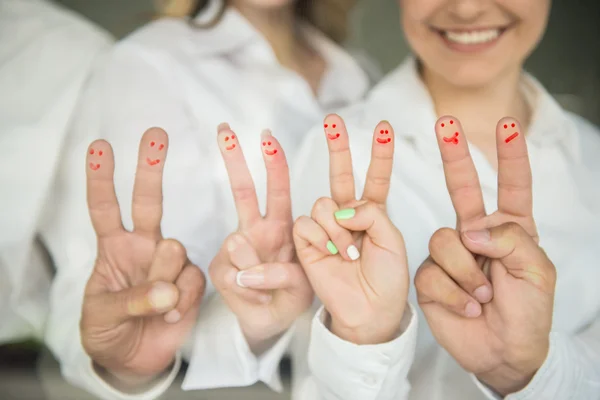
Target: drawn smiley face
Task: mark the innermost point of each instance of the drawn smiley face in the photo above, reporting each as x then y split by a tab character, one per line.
159	147
452	139
384	139
230	142
95	166
332	135
269	151
513	136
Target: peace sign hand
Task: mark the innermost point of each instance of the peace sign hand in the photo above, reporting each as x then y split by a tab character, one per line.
497	328
143	295
256	271
364	284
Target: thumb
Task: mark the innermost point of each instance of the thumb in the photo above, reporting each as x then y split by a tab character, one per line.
517	251
114	308
373	220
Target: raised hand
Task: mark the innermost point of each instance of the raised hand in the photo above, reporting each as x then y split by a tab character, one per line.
352	253
143	295
487	289
256	271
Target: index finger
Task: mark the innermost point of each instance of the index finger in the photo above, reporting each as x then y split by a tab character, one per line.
147	204
462	180
514	171
101	197
279	203
242	185
377	184
341	177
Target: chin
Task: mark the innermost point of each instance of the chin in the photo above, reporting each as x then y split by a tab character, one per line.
468	74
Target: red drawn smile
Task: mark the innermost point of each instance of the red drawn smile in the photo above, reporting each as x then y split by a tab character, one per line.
230	147
453	139
152	162
384	141
333	137
271	152
94	167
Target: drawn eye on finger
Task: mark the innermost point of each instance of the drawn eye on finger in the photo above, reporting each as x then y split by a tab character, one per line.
512	136
268	148
331	130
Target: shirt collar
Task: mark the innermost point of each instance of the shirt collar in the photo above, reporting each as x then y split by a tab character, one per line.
403	99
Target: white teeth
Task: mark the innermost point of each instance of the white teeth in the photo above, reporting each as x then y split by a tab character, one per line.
476	37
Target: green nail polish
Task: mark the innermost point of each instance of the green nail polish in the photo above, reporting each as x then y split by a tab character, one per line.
345	214
331	247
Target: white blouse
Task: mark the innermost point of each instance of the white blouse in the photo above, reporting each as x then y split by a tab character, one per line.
46	53
186	80
564	153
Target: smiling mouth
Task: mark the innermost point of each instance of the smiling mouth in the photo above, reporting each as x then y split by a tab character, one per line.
94	167
384	141
271	152
152	162
230	147
471	37
333	137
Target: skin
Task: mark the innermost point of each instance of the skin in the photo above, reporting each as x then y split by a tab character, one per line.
487	289
478	88
143	295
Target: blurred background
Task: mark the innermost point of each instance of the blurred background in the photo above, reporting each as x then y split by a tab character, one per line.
567	63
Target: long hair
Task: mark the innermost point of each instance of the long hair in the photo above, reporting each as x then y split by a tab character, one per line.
329	16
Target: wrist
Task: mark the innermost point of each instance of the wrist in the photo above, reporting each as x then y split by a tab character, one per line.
261	340
128	381
514	377
372	332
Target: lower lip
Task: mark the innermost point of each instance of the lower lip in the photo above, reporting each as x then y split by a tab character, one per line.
471	48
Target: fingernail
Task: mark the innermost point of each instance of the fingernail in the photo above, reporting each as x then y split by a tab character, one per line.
482	236
353	253
266	133
483	294
250	278
345	214
472	310
162	296
331	247
223	126
172	317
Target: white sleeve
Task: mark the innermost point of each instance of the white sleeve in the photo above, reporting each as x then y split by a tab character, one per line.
221	356
46	56
344	371
571	370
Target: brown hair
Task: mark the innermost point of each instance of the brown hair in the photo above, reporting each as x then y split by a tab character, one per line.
329	16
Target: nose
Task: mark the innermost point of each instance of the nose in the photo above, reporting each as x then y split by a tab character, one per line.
468	10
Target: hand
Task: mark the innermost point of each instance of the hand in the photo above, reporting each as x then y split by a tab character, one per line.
256	271
364	284
143	295
496	328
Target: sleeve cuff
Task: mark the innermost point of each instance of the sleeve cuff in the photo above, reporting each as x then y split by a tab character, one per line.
151	391
344	370
221	356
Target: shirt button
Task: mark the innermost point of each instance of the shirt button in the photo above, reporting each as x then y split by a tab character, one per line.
369	380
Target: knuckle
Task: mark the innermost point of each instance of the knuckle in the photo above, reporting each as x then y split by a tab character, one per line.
342	178
513	229
424	276
174	248
244	193
440	240
322	204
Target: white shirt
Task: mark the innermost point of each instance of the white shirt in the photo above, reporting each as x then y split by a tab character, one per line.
45	55
564	158
186	80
